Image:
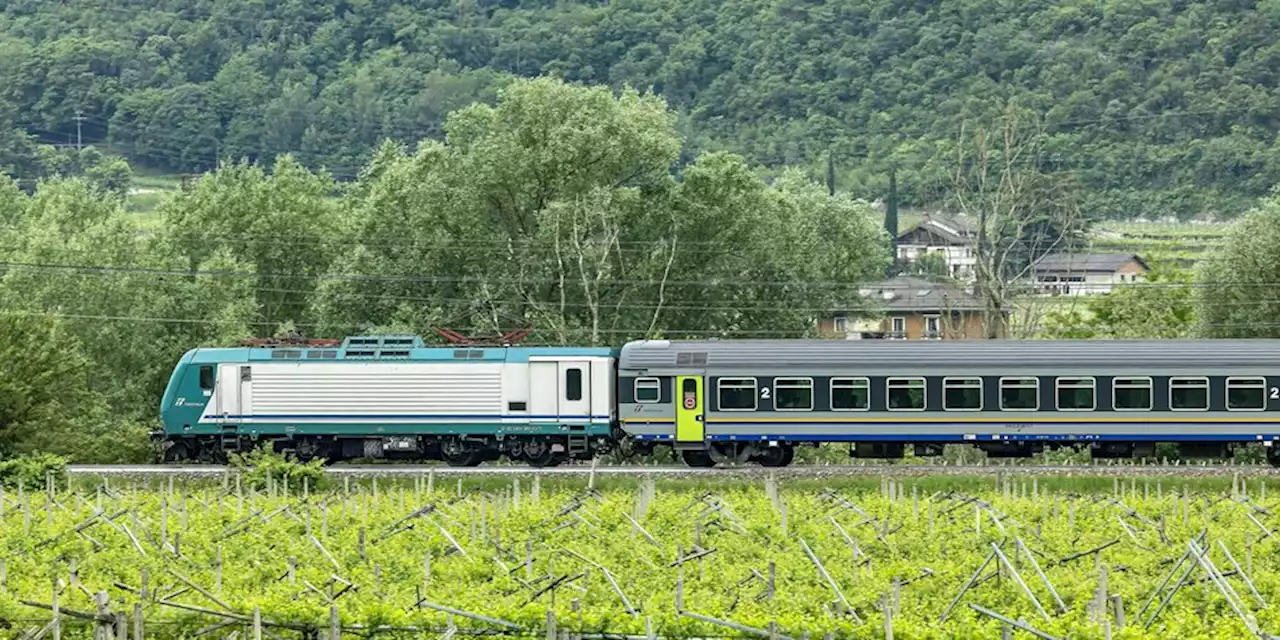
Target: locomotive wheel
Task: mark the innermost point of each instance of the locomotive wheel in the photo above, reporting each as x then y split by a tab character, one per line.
538	453
696	458
779	456
462	454
177	452
467	458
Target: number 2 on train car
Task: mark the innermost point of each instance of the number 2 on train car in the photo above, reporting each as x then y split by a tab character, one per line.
689	424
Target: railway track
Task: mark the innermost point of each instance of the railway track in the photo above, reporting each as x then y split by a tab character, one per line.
798	471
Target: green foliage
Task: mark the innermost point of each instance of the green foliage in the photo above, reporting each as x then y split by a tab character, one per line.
1160	110
263	467
467	549
556	209
29	471
1233	297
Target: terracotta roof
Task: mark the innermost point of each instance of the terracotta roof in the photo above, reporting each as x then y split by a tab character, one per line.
905	293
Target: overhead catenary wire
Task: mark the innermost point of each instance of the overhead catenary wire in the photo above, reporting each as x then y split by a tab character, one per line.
867	305
422	278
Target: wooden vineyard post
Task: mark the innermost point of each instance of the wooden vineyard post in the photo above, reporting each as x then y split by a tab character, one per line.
57	619
101	628
888	616
138	632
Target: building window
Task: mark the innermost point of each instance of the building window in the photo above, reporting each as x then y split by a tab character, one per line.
905	394
573	384
962	394
933	327
1246	394
1189	394
737	394
793	394
850	394
840	323
206	377
1076	394
647	390
897	327
1019	394
1131	394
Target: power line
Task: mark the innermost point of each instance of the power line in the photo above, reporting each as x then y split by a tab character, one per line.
340	277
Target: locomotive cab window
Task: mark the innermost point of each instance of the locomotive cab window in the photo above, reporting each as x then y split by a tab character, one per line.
962	394
1131	394
793	394
737	394
646	390
1076	394
206	377
573	384
1246	394
1019	394
1189	394
905	394
850	394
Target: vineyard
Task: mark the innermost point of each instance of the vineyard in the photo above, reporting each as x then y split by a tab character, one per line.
1132	558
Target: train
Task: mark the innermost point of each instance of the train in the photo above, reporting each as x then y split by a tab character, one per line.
717	402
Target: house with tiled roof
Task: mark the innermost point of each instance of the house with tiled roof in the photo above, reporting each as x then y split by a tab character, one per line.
1075	274
910	308
952	238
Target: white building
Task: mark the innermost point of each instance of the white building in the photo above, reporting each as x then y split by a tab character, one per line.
1075	274
952	238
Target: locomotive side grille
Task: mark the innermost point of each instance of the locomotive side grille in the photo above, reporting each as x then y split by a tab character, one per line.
378	389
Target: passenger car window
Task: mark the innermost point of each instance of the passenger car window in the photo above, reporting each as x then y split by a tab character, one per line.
1076	394
1189	394
793	394
737	394
646	390
1246	394
1131	394
962	394
1019	394
850	394
905	394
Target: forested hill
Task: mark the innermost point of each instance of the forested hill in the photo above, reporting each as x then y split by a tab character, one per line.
1160	107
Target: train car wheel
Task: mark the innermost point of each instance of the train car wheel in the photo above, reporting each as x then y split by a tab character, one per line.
779	456
1273	455
696	458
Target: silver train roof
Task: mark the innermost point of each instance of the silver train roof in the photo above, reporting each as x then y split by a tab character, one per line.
670	354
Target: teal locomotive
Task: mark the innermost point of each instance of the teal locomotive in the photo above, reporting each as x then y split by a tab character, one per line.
718	401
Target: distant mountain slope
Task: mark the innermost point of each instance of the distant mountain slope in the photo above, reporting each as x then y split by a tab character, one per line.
1161	107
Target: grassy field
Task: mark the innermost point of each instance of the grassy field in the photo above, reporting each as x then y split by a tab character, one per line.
501	557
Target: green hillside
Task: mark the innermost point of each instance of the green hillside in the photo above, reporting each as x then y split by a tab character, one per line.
1158	108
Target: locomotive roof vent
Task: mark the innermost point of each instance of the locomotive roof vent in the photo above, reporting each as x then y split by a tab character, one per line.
322	354
286	354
